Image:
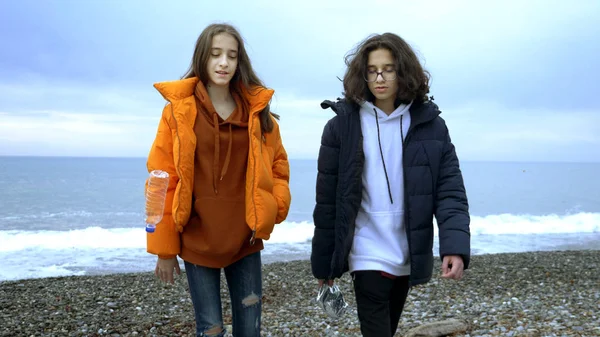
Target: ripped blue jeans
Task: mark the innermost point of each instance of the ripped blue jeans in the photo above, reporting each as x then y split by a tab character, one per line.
244	280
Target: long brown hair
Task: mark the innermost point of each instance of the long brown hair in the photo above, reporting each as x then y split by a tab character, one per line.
244	73
413	80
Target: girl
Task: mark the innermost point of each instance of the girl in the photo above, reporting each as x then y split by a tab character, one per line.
229	184
386	168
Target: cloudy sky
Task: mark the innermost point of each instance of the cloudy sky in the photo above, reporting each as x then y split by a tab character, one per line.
516	80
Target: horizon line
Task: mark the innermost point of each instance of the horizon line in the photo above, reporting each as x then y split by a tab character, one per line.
299	158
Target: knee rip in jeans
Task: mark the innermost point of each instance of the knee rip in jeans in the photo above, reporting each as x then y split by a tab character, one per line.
214	331
250	300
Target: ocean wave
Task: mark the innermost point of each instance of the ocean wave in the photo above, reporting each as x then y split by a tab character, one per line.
287	232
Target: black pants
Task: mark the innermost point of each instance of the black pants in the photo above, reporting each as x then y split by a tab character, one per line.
379	302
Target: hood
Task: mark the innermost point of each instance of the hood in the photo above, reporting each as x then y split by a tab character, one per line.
239	116
341	106
420	111
371	109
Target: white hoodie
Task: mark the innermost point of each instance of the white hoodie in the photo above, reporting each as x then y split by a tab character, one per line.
380	241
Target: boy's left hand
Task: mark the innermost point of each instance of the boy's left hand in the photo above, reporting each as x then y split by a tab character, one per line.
452	267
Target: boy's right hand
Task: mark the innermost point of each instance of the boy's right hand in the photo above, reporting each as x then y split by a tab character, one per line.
164	269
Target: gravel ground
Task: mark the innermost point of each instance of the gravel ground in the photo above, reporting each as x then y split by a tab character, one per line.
524	294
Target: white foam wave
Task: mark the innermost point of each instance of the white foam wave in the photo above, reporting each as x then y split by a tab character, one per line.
95	250
533	224
287	232
91	238
66	214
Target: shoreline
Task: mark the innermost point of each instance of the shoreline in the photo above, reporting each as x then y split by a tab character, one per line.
509	294
82	262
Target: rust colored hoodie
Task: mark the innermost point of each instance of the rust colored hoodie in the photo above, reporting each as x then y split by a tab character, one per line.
217	234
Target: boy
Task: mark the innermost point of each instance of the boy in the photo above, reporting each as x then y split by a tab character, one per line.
386	166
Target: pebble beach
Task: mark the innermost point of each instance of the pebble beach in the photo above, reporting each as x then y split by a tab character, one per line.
521	294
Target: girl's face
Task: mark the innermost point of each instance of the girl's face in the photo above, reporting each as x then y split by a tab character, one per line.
223	60
381	75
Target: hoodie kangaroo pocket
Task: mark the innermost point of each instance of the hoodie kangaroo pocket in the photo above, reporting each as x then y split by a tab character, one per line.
219	229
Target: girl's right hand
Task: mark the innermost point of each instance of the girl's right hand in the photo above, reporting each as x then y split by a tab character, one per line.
164	269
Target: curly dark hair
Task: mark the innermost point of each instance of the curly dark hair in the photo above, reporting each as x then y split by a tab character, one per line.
413	80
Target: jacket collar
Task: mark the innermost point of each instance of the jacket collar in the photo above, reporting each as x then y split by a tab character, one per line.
420	112
256	98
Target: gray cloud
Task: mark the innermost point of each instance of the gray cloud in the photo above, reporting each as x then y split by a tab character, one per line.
497	66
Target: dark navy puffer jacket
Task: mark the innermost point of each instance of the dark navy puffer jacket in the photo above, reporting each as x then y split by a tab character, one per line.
433	187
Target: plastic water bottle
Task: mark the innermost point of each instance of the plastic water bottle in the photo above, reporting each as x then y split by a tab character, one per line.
156	194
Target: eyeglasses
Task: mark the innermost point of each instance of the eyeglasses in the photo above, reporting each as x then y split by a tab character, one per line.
387	75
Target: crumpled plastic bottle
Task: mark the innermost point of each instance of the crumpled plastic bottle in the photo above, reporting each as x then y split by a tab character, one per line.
331	299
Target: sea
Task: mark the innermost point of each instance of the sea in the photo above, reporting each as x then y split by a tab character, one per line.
64	216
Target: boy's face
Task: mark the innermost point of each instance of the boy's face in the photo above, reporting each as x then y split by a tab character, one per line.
384	86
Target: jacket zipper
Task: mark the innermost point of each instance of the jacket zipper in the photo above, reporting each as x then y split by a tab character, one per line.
179	156
352	225
406	209
253	237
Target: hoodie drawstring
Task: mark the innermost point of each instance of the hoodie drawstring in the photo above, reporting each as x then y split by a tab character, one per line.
228	155
217	153
401	131
387	179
